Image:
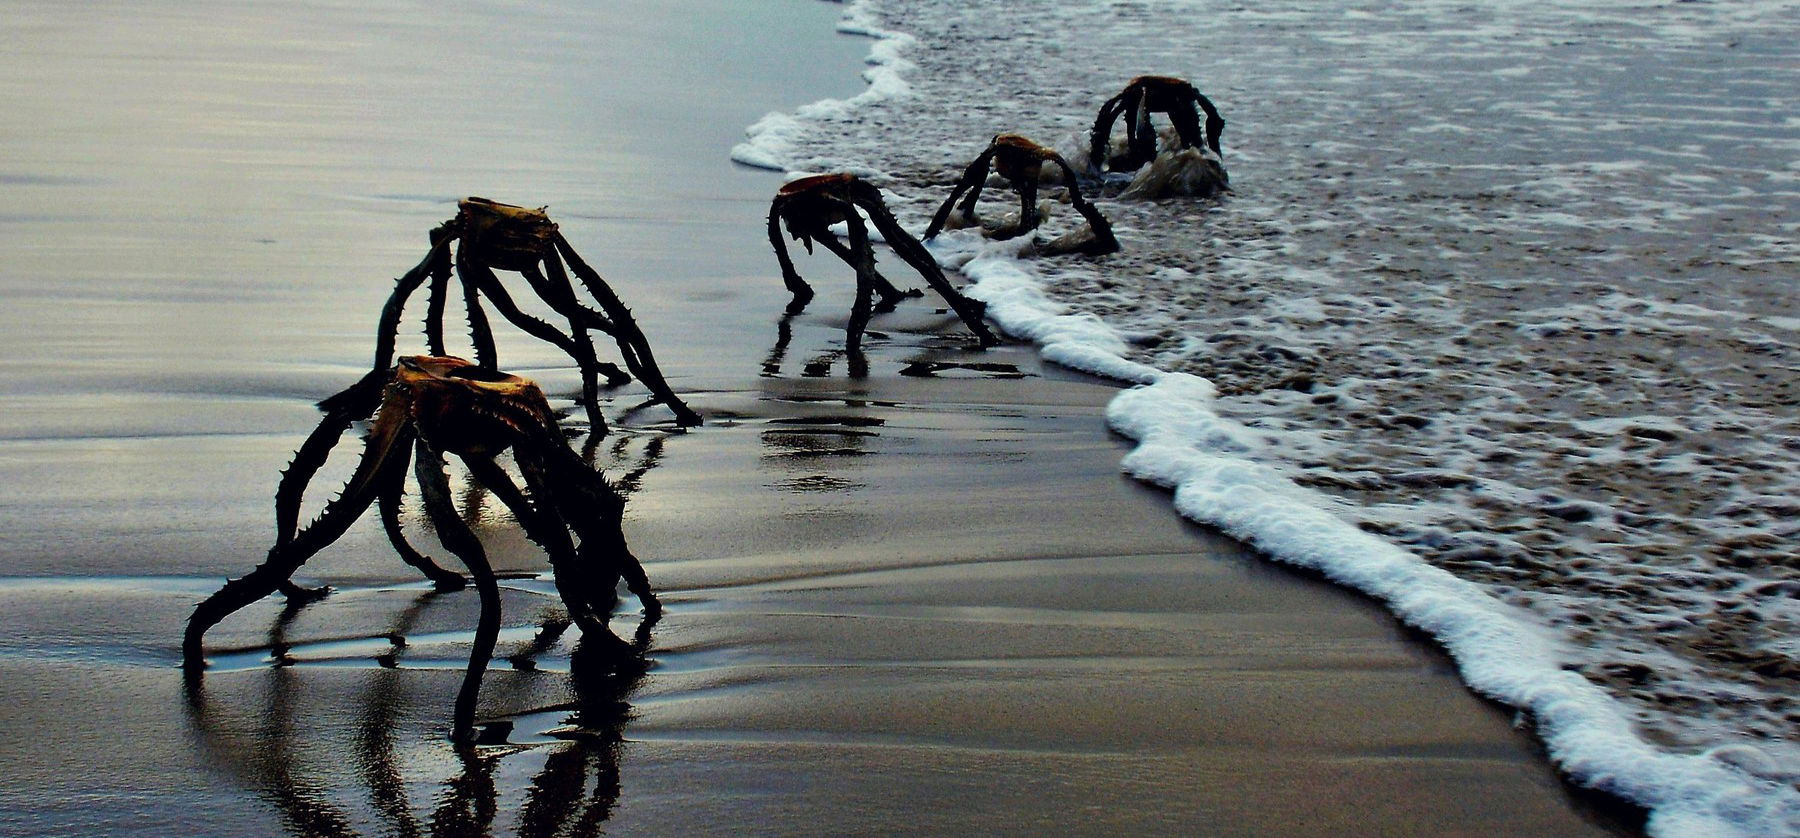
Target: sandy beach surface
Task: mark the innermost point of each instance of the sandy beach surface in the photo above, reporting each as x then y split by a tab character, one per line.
921	601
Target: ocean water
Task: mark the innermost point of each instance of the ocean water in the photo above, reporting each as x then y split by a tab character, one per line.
1499	324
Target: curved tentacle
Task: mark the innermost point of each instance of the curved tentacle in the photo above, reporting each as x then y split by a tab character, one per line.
386	447
969	310
803	293
972	178
388	328
864	263
388	503
558	295
549	533
976	184
942	216
591	369
489	285
1101	134
341	410
1104	241
440	288
582	593
632	343
1026	185
588	317
595	509
1186	120
1140	136
559	276
890	295
1215	124
584	354
579	347
434	488
479	332
434	315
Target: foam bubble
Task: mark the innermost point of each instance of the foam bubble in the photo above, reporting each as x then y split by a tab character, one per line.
1480	370
774	142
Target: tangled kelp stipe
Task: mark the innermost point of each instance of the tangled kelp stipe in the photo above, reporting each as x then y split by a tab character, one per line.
430	406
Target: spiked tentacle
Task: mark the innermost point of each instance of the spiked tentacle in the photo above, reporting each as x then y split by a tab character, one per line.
915	254
558	295
388	502
434	488
1101	135
353	403
595	509
585	356
585	594
573	479
386	446
588	317
387	330
479	331
484	281
632	343
1104	241
440	289
559	276
802	292
972	177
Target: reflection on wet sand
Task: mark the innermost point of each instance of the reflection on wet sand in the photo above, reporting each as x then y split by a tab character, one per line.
573	793
436	406
819	366
857	362
577	739
962	369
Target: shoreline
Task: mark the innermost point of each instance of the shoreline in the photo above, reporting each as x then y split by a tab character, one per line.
1283	288
889	643
908	603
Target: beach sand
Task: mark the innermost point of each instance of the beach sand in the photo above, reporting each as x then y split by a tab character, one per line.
920	601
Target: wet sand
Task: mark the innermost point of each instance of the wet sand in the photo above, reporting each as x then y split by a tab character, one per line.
894	605
901	603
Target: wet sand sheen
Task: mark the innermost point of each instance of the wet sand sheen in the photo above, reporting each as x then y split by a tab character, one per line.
1039	648
895	604
964	623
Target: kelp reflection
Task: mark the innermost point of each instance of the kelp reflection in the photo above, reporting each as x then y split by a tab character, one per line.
367	778
426	408
819	366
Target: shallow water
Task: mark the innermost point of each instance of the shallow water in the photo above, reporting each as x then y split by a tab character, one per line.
206	205
209	203
1510	284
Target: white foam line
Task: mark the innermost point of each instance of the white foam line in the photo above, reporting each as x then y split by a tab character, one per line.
773	141
1185	445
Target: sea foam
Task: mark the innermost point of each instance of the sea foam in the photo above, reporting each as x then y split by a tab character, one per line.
1295	293
1185	445
770	142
